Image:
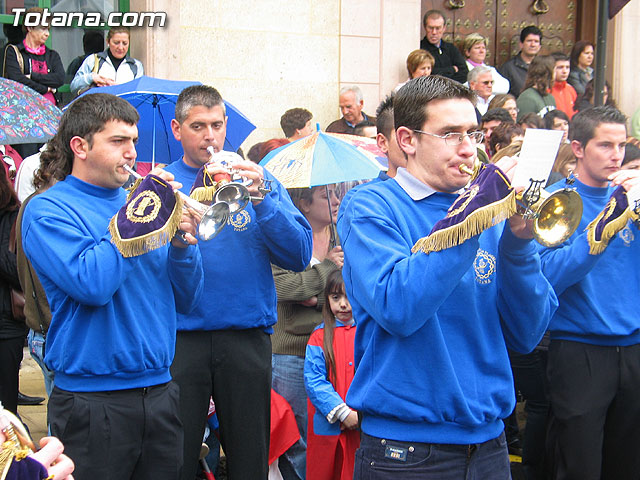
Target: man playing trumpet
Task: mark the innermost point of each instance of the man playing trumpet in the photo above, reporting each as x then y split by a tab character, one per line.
433	380
112	335
223	347
594	355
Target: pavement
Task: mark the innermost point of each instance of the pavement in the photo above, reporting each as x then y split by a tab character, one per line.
32	384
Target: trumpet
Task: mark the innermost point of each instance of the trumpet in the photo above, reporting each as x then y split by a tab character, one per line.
233	190
213	218
555	216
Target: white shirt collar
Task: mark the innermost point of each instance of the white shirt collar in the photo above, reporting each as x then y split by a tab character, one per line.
415	188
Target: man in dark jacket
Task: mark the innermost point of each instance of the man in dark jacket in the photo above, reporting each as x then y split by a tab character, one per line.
449	62
515	69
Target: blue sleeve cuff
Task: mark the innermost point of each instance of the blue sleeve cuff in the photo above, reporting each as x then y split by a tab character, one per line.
516	245
265	208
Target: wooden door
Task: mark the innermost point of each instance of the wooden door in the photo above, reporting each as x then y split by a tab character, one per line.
502	20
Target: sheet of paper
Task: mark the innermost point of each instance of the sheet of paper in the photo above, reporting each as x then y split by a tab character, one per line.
537	156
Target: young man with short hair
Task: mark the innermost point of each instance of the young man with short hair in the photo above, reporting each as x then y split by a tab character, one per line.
594	355
113	329
223	347
433	380
564	94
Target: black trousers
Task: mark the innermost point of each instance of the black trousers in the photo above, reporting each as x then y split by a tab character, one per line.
10	358
233	366
595	411
530	376
126	434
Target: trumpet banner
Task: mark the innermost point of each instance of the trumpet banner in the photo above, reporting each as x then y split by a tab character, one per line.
610	220
148	220
487	201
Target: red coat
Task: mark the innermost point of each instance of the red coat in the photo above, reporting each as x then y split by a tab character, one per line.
565	96
330	457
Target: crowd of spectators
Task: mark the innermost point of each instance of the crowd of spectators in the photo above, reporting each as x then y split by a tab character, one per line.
233	350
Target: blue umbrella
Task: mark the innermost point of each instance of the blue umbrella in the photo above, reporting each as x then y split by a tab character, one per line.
155	100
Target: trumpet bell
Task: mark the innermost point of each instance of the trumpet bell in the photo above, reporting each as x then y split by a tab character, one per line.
234	194
213	221
557	217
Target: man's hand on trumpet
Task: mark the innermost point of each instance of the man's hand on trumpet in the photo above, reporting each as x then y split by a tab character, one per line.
520	227
253	172
627	178
244	168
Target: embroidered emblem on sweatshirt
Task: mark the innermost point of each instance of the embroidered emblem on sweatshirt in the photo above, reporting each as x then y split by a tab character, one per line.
485	267
240	220
627	236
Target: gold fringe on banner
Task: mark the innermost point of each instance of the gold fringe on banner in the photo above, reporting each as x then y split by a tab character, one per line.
132	247
596	247
475	223
205	193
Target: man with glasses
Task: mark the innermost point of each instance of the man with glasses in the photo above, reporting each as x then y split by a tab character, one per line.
433	380
449	62
481	81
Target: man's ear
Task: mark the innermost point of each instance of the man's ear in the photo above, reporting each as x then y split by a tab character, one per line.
578	150
406	140
175	129
79	146
383	143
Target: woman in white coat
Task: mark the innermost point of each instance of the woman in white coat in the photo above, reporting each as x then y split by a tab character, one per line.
111	67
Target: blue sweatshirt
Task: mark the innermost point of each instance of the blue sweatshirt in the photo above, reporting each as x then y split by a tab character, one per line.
239	288
598	294
113	318
433	330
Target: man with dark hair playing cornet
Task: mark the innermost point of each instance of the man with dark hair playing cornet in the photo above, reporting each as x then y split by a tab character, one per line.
594	355
223	347
112	335
433	380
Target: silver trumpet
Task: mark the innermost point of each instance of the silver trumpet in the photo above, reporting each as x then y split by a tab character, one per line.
233	187
213	217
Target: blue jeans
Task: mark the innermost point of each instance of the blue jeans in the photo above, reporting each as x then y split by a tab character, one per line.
379	459
287	379
36	348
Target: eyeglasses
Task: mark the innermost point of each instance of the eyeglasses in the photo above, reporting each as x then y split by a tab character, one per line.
454	139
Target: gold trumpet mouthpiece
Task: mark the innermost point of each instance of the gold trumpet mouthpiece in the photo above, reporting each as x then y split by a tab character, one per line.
466	169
